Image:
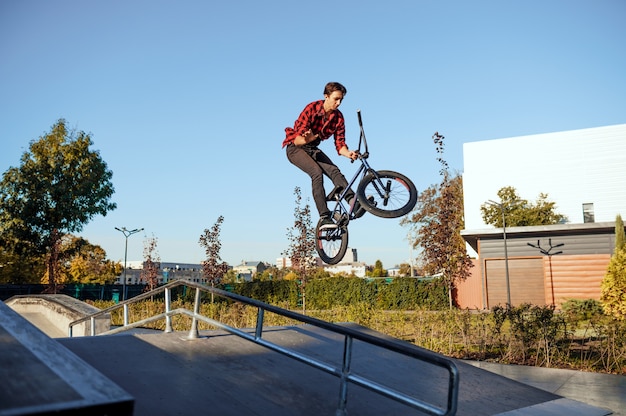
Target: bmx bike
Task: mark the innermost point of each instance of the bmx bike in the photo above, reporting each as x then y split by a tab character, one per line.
383	193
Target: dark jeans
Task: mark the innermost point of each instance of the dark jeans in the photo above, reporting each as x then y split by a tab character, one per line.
316	164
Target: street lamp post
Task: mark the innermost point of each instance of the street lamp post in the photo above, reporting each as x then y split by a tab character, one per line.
127	233
506	254
549	253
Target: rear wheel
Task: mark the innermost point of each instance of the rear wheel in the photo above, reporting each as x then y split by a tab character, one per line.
331	243
387	194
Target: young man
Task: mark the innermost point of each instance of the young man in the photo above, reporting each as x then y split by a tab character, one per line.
318	121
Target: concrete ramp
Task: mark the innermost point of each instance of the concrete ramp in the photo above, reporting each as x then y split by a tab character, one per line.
53	314
40	377
222	374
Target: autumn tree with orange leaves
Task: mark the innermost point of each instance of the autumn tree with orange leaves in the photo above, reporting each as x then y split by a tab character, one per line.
436	223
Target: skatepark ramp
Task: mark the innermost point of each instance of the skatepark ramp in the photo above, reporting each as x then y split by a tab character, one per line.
40	376
343	370
59	310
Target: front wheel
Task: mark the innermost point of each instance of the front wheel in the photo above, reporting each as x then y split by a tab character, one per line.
331	244
387	194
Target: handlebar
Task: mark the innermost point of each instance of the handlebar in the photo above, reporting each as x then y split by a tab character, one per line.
364	154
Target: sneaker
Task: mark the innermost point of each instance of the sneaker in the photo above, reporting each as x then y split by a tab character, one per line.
326	224
359	211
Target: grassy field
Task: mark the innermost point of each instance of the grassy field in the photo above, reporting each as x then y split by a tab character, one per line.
580	337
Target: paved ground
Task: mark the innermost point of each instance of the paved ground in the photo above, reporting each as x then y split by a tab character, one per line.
226	375
602	390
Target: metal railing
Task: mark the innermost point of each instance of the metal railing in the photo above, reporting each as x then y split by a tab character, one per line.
343	372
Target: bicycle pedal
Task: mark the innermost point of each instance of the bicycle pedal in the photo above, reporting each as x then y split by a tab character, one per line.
334	194
360	210
340	219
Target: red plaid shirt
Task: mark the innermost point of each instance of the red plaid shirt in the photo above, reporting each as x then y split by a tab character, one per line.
313	118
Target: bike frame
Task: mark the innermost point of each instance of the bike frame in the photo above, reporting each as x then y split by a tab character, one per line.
376	191
346	213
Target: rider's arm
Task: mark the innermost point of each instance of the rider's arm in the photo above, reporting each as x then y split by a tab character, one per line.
344	151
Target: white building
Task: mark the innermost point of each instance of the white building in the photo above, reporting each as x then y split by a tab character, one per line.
167	271
579	170
349	264
356	268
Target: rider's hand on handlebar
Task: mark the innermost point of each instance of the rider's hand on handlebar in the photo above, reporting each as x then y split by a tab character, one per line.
350	154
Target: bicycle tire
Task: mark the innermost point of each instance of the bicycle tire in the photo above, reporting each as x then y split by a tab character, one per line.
387	194
331	244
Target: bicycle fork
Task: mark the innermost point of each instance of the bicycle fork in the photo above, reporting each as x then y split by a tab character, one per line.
383	189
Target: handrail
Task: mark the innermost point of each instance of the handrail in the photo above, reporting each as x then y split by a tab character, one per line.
343	372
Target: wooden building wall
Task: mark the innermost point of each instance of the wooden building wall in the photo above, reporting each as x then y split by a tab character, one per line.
541	280
574	277
468	293
547	265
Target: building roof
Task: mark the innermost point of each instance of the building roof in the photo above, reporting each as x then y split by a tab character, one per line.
472	236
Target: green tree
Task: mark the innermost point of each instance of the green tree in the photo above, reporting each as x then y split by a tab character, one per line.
230	277
60	185
271	273
405	269
83	262
436	223
377	270
519	212
301	249
20	267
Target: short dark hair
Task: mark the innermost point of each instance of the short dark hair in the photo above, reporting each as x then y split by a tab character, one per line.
334	86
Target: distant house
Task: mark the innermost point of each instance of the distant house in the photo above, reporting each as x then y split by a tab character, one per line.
349	264
393	272
247	270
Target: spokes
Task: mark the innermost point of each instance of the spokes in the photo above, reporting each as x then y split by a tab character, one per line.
389	193
331	244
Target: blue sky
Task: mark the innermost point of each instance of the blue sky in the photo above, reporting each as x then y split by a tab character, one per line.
187	101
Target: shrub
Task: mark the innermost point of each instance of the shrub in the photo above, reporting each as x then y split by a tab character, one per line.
614	286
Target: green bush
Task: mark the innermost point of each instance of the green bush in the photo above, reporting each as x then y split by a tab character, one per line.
270	291
582	309
328	293
395	294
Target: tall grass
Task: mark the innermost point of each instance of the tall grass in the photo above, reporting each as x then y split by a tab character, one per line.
580	337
